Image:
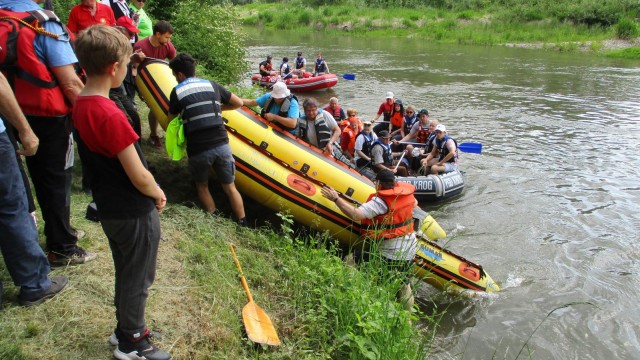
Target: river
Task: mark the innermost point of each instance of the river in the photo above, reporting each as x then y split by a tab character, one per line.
550	207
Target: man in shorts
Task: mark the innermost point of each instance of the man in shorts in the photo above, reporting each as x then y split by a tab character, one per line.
199	103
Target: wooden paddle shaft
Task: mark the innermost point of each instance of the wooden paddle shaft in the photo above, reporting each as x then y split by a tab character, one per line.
242	279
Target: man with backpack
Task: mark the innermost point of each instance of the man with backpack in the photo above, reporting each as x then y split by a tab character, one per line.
41	67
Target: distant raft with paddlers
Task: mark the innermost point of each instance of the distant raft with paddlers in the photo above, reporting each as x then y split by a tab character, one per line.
285	174
307	83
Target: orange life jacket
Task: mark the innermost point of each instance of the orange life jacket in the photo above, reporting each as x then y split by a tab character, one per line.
397	120
349	135
398	221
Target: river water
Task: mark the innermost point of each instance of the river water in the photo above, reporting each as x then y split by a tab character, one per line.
550	207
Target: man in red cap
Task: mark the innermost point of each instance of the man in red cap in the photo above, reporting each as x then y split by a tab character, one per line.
126	25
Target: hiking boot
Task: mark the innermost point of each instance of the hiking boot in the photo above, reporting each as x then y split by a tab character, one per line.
113	338
138	348
77	257
154	141
57	284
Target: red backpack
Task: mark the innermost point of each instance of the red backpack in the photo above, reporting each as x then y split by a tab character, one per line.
11	23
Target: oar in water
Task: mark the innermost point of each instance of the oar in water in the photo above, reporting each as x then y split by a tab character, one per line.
257	323
348	76
469	147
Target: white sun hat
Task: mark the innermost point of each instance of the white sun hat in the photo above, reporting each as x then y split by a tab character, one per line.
279	90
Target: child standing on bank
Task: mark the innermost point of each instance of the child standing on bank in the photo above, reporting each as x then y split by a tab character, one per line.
125	192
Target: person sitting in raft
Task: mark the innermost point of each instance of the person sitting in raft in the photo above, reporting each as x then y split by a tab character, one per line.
285	69
387	216
318	128
321	67
396	122
336	111
410	118
279	106
385	110
446	150
351	114
265	67
348	138
301	66
362	147
382	156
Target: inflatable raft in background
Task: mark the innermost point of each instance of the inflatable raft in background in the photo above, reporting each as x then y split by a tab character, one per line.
286	174
307	83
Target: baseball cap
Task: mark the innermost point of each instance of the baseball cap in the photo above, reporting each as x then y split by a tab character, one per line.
398	101
389	95
386	176
423	111
366	122
269	56
384	134
127	23
279	90
441	127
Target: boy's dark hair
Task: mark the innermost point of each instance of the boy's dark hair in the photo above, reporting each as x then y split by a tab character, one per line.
163	27
285	59
185	64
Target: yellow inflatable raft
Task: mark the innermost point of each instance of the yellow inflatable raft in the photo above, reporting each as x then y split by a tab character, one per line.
285	174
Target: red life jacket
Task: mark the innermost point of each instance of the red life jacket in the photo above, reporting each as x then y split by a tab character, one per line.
422	135
33	84
334	112
398	221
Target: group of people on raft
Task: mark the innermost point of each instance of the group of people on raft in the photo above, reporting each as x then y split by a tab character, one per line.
299	69
405	142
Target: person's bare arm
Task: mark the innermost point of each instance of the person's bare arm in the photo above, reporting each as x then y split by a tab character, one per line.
335	135
347	208
249	102
10	109
451	146
140	177
68	81
286	121
234	103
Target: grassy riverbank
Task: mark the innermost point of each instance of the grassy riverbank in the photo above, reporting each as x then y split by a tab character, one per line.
524	25
320	307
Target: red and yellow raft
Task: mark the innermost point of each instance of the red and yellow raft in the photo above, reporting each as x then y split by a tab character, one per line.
286	174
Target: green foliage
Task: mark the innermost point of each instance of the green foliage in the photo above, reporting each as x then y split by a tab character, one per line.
630	53
626	29
208	34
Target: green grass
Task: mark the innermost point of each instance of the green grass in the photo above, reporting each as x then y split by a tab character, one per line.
632	53
320	307
484	26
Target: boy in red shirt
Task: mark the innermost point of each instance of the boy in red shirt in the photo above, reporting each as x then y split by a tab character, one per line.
126	193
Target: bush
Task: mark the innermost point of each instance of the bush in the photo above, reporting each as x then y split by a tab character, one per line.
626	29
208	34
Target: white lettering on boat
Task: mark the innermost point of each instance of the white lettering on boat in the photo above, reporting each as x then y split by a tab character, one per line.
423	185
450	182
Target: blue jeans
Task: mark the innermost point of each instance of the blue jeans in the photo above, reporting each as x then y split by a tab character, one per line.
23	256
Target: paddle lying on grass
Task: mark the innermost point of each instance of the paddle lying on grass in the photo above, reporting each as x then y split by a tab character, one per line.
348	76
469	147
257	323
